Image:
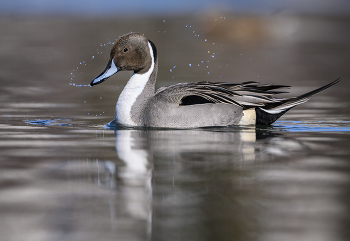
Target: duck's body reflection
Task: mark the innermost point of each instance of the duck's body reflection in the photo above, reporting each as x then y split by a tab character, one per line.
139	148
178	183
162	167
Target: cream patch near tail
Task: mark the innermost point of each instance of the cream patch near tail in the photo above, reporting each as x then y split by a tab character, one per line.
248	117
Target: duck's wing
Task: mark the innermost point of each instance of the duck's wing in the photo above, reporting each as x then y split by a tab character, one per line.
246	95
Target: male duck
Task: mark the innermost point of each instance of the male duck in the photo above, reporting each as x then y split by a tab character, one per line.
188	105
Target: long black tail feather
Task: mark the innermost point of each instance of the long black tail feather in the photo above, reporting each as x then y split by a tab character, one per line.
271	112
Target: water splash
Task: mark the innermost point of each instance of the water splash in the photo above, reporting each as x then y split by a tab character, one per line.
85	64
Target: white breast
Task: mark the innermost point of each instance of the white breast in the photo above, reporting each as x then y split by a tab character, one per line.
131	91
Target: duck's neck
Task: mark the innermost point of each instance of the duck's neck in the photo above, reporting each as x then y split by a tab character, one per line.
139	89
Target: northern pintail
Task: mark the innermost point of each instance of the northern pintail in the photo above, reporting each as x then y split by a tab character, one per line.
188	105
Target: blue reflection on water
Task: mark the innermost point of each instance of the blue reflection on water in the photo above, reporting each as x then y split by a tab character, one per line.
49	122
291	126
320	126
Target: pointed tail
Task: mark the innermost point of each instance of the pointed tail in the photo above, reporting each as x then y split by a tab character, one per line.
270	113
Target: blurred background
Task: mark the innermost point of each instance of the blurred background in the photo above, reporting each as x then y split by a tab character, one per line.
158	7
56	45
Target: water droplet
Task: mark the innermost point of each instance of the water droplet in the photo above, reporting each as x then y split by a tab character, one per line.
163	21
186	26
100	98
212	56
84	101
202	61
93	57
171	70
205	40
190	65
174	67
208	72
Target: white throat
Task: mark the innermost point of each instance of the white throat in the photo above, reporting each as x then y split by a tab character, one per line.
131	91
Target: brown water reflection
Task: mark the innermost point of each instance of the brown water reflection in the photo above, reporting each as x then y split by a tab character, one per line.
66	176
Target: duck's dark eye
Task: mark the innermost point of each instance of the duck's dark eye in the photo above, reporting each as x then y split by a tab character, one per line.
125	50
